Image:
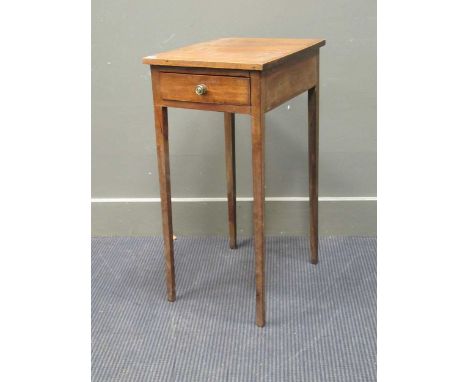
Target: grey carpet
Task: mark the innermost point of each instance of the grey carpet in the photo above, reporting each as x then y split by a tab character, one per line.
321	320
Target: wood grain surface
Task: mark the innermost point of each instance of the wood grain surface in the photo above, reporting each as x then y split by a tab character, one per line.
221	89
290	79
235	53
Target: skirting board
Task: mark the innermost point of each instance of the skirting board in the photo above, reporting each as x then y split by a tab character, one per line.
350	217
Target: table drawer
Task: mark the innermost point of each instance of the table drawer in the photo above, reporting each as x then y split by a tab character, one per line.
211	89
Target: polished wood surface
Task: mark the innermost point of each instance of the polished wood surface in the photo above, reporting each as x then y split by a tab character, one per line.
220	89
250	76
230	154
235	53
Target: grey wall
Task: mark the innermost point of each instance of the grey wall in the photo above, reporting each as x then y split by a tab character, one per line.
123	152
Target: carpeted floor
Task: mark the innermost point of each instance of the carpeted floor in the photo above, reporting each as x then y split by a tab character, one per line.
321	320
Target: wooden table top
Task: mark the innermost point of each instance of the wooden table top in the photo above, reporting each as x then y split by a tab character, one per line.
235	53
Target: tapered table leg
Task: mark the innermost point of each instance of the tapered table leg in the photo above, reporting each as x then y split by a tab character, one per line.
162	144
230	152
258	173
313	115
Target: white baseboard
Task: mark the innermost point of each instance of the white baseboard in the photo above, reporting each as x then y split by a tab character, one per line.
206	216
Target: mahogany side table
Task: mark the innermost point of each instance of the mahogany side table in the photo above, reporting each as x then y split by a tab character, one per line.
237	75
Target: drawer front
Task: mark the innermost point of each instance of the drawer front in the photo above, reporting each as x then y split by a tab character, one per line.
211	89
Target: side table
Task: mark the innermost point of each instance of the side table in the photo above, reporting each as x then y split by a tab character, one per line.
237	75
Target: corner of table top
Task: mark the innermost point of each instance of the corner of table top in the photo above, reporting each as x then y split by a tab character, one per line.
148	60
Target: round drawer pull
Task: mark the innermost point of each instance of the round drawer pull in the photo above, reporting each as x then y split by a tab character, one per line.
201	89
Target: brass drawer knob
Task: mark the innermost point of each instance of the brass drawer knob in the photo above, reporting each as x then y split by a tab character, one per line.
201	89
